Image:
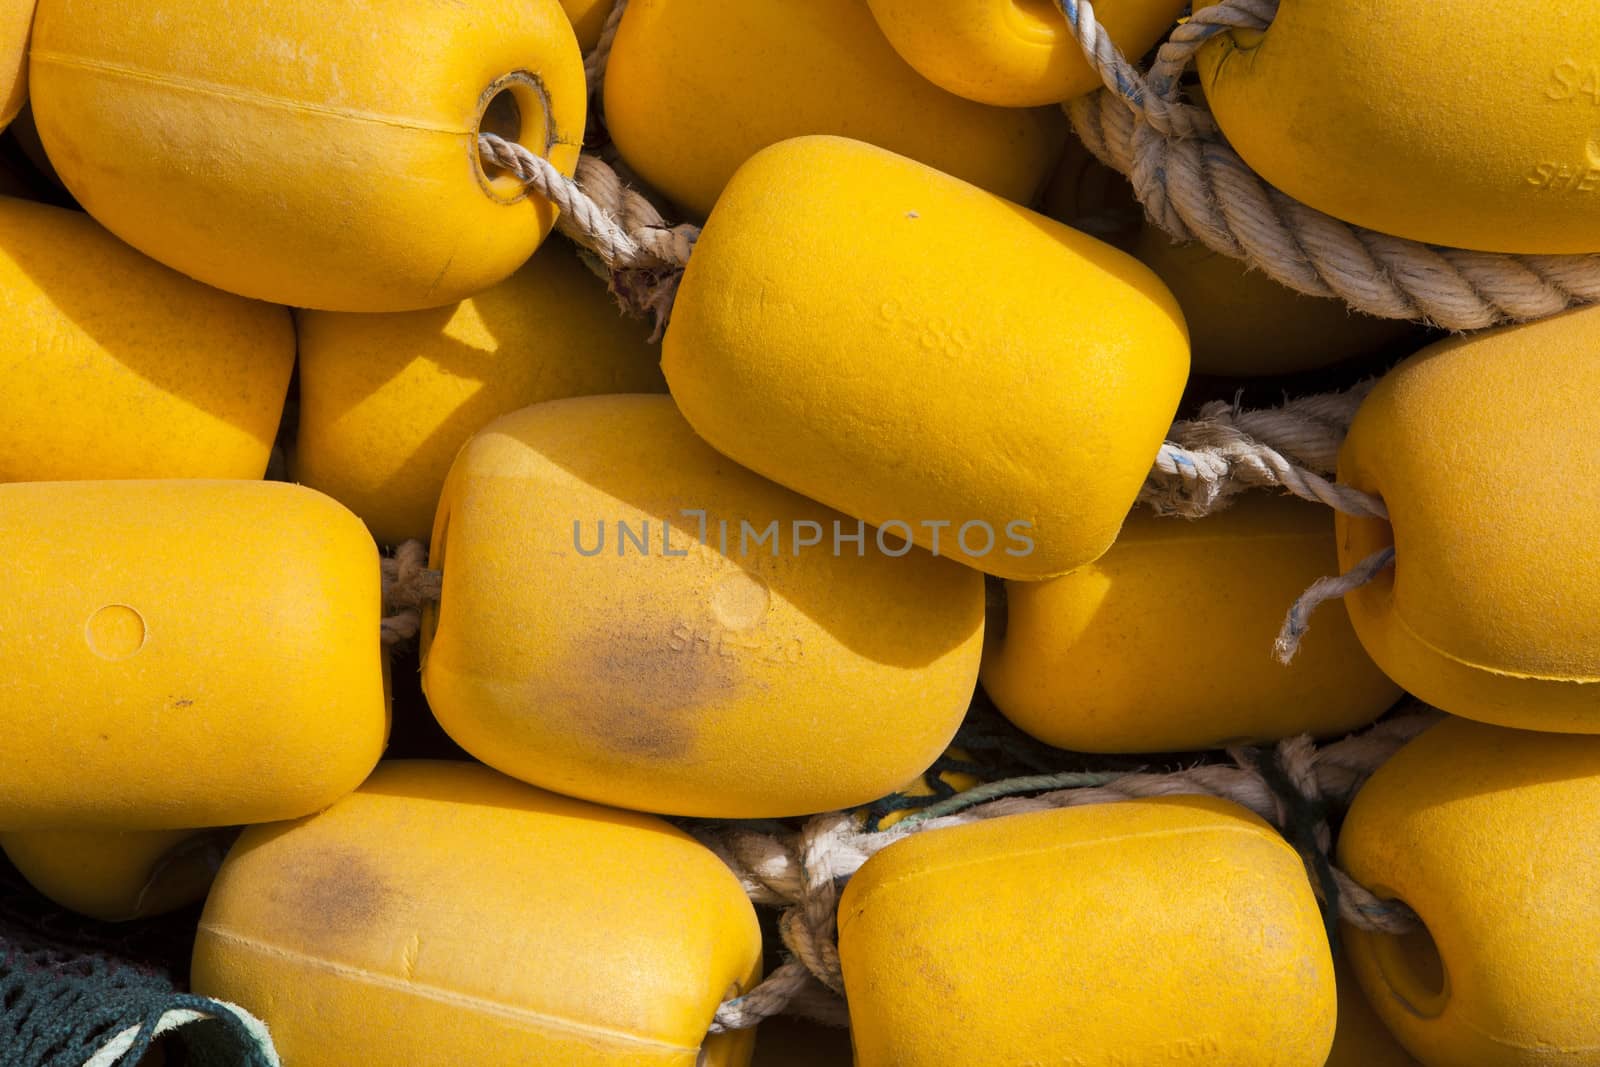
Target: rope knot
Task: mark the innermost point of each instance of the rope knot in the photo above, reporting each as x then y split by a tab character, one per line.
1227	450
407	585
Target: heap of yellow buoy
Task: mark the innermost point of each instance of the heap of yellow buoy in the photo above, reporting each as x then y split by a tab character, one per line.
924	347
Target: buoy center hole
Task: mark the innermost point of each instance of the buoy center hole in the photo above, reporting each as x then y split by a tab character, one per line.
1414	970
514	109
503	118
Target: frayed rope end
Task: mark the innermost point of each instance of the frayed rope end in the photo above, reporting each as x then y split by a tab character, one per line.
1298	621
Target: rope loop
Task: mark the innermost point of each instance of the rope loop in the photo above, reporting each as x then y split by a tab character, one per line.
1195	186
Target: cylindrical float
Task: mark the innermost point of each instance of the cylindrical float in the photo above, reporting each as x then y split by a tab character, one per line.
696	87
118	875
1014	53
1481	448
16	20
926	356
444	915
588	19
1451	129
1489	835
184	654
386	401
275	150
1165	642
121	368
1141	932
629	617
1361	1039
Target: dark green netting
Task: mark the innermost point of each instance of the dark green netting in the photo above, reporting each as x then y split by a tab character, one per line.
69	985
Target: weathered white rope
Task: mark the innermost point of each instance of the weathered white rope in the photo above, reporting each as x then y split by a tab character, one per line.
113	1052
788	990
805	872
643	254
597	210
1311	429
1208	460
1196	187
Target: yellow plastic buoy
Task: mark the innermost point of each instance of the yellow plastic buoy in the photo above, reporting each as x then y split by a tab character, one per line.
184	654
631	618
443	914
1488	834
696	87
116	875
1481	447
926	356
1141	932
1165	642
386	401
1451	130
16	19
120	368
1014	53
271	150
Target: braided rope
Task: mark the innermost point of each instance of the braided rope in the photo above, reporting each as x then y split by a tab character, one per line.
804	873
1208	460
642	253
597	210
1197	188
